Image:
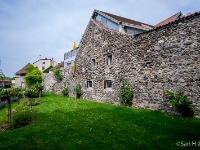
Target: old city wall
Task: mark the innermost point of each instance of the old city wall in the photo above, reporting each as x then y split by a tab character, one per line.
164	58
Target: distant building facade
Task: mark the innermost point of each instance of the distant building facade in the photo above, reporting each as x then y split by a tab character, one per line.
19	76
43	64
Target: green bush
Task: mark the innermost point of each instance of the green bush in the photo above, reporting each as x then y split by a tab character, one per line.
32	79
21	116
6	86
125	93
32	102
20	92
77	90
31	92
33	76
180	102
57	74
47	70
65	91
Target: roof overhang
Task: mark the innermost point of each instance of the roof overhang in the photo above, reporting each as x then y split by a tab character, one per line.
119	22
108	17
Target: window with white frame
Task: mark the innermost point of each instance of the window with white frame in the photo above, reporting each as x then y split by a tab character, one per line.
89	84
107	84
43	62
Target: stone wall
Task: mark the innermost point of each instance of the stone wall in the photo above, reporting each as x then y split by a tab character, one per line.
164	58
53	85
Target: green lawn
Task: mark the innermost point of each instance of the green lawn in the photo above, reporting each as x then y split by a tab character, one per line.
59	125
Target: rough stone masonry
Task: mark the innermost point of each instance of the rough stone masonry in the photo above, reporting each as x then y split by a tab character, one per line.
167	57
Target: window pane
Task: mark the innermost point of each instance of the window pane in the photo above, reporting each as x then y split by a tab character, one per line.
108	84
89	84
110	60
93	62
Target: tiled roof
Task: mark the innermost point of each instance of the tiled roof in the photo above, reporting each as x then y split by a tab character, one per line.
22	71
126	20
170	19
190	15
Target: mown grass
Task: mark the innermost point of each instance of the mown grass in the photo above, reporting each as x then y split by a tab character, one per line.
91	125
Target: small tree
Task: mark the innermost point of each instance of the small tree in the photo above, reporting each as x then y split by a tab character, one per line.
7	95
77	92
30	93
39	88
125	93
20	93
33	76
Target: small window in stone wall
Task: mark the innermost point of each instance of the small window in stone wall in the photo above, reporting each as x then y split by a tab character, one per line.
93	62
43	62
89	84
109	60
107	84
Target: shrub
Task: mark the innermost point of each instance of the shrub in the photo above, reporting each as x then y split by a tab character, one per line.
32	79
20	92
39	87
32	102
57	74
47	70
77	90
65	91
21	116
180	102
125	93
34	76
31	92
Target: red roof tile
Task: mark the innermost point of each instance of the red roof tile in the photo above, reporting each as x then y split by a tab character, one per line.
22	71
168	20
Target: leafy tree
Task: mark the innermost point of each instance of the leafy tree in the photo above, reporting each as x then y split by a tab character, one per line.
30	68
33	76
7	95
77	92
39	88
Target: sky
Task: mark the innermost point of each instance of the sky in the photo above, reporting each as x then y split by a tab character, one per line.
30	28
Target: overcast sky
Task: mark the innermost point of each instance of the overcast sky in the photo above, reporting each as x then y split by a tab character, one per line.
30	28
